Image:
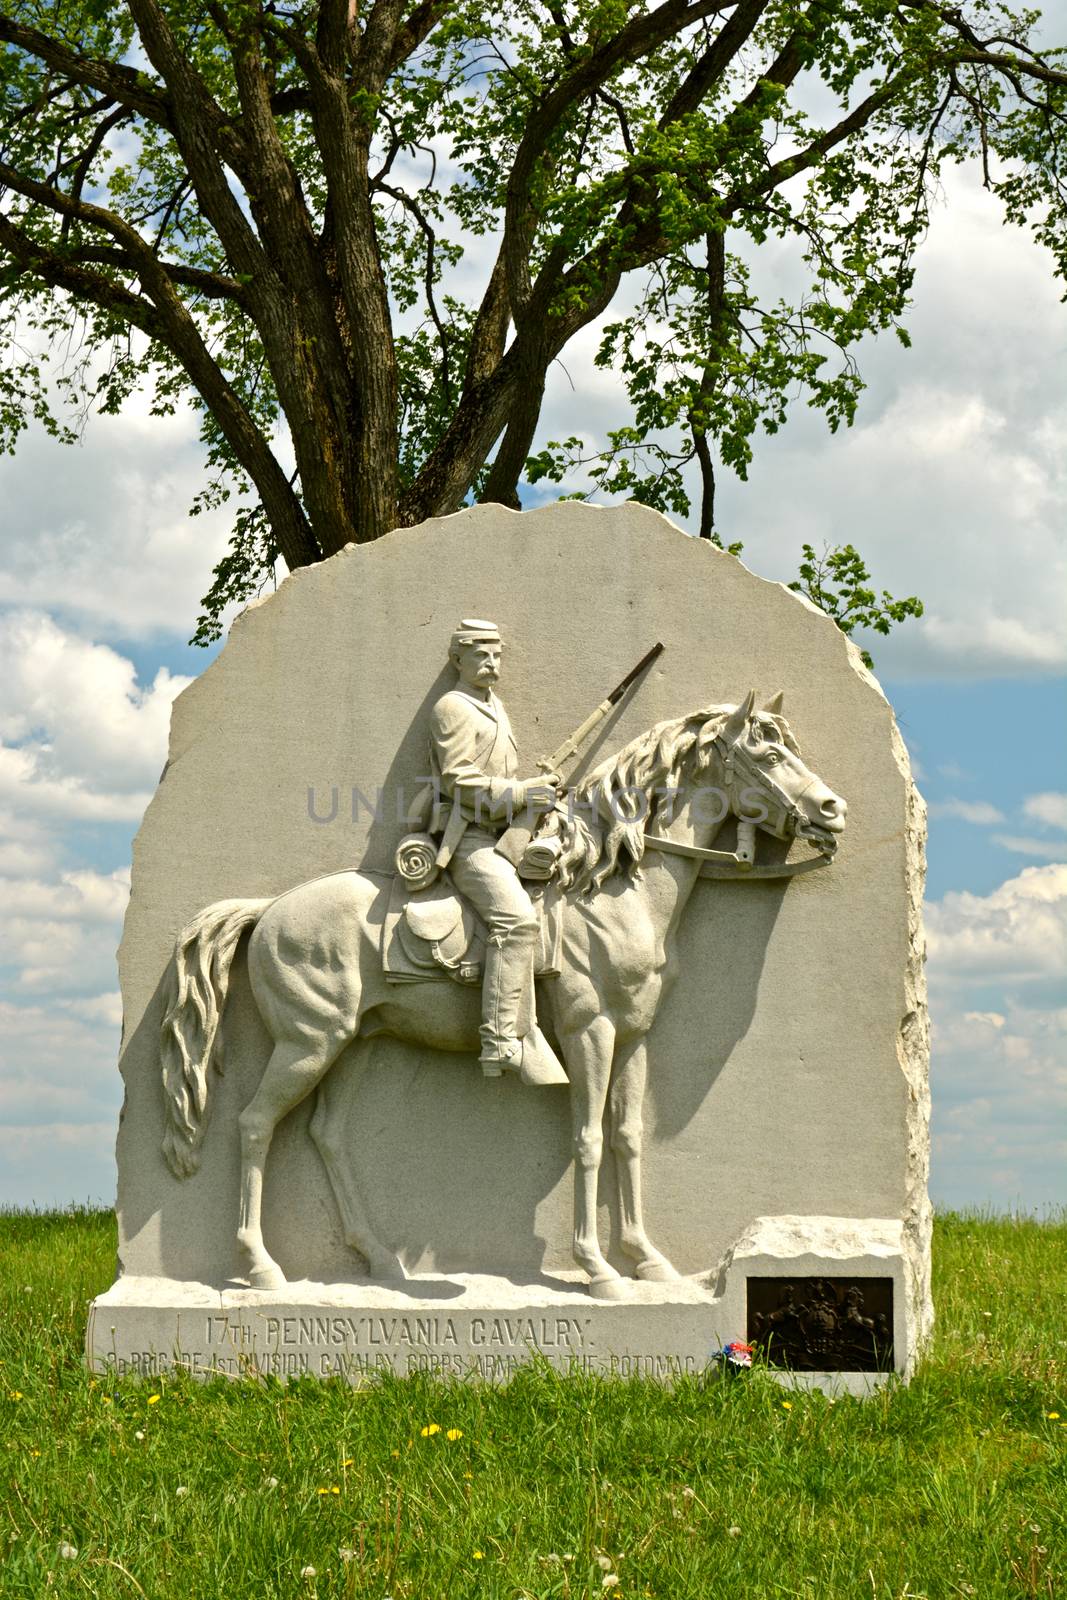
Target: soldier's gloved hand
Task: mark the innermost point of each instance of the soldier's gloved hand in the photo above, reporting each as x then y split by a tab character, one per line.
539	794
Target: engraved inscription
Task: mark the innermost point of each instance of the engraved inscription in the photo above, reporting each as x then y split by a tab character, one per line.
822	1324
354	1345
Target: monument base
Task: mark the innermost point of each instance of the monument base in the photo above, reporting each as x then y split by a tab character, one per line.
464	1325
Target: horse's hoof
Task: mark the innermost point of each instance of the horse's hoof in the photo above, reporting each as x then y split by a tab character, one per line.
609	1288
271	1277
386	1269
657	1269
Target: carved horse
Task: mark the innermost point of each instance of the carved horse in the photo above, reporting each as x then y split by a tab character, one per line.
636	835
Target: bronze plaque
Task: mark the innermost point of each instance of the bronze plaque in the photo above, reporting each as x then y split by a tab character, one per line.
822	1324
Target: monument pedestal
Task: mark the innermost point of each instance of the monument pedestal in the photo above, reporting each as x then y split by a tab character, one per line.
467	1324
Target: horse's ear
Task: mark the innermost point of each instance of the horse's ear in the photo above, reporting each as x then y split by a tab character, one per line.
738	720
774	704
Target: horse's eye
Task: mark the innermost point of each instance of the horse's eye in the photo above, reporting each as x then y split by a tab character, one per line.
772	758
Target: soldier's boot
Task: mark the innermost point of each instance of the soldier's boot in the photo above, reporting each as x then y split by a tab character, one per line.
507	994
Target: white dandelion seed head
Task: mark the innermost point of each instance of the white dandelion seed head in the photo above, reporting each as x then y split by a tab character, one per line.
139	1435
308	1572
67	1552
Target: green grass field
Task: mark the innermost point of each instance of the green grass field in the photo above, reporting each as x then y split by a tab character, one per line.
956	1485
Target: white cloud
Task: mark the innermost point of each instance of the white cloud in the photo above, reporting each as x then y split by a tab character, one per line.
999	1072
1017	932
58	1163
78	896
979	812
98	1008
1022	845
1000	1106
86	729
953	481
27	847
58	1055
24	780
101	533
60	1093
61	936
1050	808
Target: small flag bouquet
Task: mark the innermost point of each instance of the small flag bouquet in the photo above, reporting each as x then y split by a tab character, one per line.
735	1356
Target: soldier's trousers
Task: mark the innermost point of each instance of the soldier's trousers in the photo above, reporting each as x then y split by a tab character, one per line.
492	886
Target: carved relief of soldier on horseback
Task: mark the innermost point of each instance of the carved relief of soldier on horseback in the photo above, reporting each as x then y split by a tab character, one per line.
499	879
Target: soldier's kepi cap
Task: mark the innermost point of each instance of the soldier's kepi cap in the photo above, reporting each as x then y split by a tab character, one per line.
475	630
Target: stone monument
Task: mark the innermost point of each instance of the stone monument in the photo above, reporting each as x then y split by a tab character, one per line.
506	973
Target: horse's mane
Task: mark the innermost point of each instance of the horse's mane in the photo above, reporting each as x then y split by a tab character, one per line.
603	830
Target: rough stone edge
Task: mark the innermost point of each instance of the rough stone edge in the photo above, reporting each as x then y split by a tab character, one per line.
913	1053
834	1238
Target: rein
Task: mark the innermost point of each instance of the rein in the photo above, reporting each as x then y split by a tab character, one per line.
741	863
732	864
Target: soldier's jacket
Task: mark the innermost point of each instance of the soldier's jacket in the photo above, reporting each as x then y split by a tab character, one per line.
473	757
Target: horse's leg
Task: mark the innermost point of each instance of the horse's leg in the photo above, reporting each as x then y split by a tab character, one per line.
588	1055
627	1133
295	1067
328	1132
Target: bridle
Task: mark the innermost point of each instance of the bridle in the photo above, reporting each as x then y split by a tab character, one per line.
740	862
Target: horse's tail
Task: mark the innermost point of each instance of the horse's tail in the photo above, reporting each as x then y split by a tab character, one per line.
191	1035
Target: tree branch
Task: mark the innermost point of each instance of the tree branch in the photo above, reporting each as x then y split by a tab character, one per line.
123	84
343	125
60	272
167	320
414	31
412	206
635	39
212	285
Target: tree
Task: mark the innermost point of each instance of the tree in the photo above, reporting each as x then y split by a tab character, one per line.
272	208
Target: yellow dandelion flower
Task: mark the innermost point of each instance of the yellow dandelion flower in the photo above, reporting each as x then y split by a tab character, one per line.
349	1463
395	1454
14	1394
430	1429
106	1398
1053	1416
787	1405
454	1433
35	1453
479	1555
154	1399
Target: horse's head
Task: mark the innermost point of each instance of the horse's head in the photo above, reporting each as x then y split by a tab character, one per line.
767	781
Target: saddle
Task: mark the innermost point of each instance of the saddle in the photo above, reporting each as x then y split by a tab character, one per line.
433	933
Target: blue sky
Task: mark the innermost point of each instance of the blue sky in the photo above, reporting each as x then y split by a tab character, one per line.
953	484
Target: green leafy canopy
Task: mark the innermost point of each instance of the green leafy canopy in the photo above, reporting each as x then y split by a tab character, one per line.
355	236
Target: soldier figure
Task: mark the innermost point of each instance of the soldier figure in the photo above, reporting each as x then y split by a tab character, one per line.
474	763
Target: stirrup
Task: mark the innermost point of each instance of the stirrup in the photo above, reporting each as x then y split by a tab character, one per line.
532	1057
